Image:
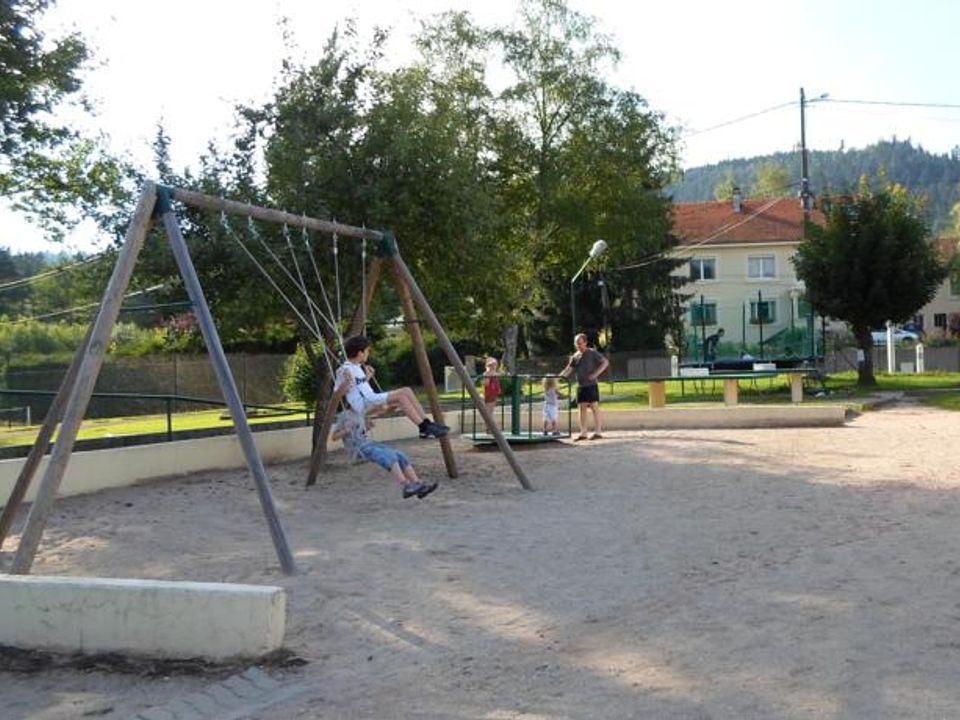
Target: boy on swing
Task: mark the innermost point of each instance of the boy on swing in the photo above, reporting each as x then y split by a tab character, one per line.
355	375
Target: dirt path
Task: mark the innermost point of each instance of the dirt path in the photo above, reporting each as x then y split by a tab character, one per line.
810	573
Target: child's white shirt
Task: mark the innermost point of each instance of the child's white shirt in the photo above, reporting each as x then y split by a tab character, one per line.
551	397
361	396
551	405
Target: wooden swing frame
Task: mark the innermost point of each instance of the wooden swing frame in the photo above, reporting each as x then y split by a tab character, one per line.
69	406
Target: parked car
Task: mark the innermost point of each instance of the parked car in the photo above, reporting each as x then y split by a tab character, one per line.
899	336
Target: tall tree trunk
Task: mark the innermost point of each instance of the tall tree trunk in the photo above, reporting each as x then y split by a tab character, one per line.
865	376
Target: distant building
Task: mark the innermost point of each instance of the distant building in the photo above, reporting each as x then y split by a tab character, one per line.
738	262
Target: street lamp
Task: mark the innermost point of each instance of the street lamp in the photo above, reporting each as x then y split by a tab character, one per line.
599	247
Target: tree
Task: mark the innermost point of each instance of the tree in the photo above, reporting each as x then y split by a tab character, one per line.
723	190
872	262
46	169
772	181
37	73
579	160
491	197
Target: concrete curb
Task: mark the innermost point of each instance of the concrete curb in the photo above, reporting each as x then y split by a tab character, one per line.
153	618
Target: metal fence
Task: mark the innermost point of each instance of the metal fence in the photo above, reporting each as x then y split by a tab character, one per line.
628	365
258	379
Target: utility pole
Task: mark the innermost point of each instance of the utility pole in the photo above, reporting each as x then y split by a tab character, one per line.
804	169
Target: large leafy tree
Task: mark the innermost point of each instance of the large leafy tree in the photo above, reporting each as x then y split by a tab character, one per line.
494	199
401	150
873	261
36	72
47	170
581	160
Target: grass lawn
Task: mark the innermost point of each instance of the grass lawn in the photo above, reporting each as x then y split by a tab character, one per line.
626	394
145	425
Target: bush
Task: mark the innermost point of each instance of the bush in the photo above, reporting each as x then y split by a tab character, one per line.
298	379
33	338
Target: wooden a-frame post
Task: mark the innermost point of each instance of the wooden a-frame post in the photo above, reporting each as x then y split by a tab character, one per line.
423	360
405	277
80	388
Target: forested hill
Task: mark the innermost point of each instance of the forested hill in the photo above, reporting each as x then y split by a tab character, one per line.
935	176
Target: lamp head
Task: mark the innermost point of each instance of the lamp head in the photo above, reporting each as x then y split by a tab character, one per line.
598	249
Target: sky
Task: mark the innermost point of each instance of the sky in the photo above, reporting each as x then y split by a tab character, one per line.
714	69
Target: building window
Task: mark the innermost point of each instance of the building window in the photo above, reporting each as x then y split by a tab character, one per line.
764	311
761	267
703	314
703	268
940	320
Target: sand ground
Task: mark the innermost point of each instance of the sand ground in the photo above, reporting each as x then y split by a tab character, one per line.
792	573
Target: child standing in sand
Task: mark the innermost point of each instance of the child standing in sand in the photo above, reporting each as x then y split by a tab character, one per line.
491	384
351	427
551	406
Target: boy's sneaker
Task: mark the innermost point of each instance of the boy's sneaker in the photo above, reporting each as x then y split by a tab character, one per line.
412	489
426	489
430	429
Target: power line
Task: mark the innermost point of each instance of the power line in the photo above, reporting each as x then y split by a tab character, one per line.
742	118
88	306
792	103
892	103
21	282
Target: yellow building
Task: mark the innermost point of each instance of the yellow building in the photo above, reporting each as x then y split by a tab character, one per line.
738	255
941	316
738	261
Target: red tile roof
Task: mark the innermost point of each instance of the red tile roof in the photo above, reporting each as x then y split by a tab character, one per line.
759	221
947	246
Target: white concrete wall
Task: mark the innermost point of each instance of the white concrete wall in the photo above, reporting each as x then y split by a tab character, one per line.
99	469
692	416
118	467
141	617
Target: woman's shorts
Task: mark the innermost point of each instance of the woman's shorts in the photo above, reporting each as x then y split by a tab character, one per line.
588	394
383	455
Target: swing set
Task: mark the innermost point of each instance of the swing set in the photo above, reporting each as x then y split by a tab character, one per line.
155	204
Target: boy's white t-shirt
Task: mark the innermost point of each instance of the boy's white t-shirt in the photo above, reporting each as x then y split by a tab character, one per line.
361	396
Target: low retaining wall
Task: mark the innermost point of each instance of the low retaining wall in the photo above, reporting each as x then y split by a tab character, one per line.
153	618
737	416
690	416
119	467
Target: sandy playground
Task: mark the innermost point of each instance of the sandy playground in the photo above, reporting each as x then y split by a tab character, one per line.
810	573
